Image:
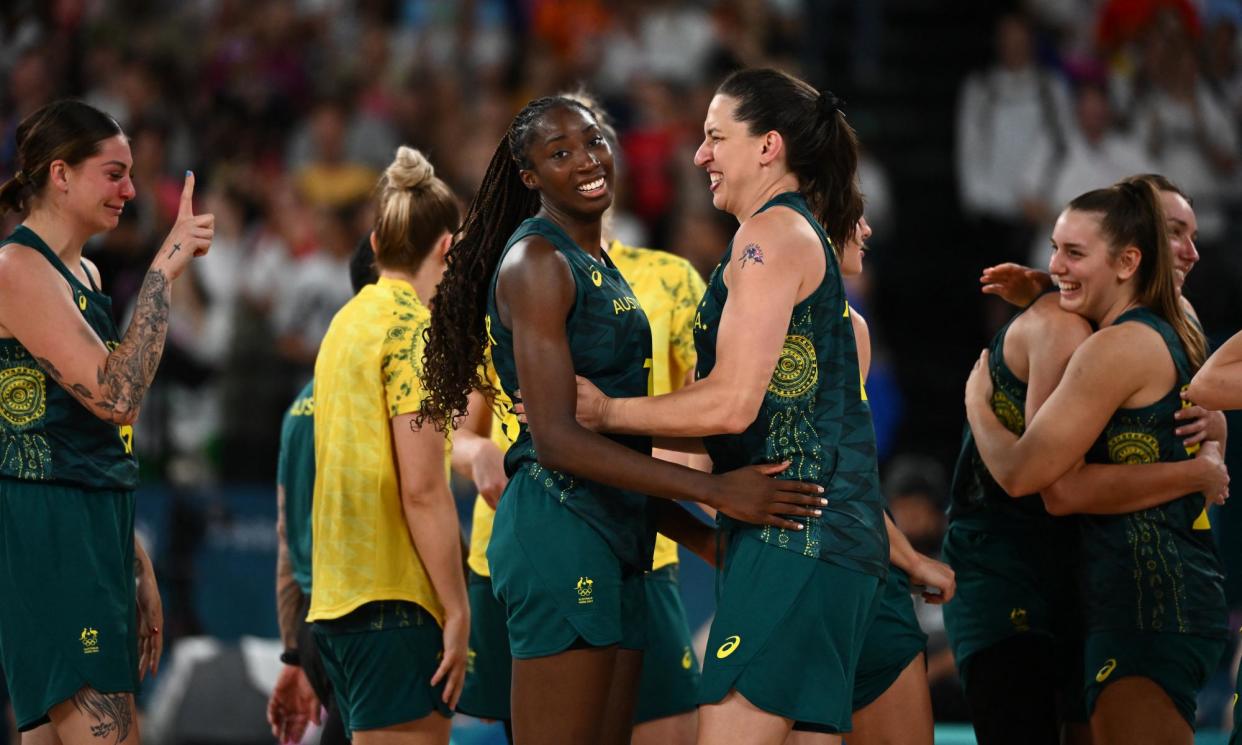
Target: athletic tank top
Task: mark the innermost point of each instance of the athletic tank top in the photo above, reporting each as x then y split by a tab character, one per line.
1154	570
45	433
610	342
976	500
814	414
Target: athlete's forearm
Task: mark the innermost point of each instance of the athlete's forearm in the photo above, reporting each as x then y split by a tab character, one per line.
706	407
1116	489
128	371
900	553
677	523
288	594
431	518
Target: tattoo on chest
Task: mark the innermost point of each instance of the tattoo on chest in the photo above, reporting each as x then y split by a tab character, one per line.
752	254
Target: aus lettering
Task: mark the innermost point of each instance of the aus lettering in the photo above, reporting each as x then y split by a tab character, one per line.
622	304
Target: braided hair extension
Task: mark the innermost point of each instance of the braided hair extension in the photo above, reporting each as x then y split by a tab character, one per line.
457	337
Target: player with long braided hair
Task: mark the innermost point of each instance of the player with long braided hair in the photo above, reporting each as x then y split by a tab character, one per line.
574	529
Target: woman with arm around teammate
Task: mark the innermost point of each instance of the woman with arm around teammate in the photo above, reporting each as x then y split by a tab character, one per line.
72	390
779	381
1155	614
572	534
389	607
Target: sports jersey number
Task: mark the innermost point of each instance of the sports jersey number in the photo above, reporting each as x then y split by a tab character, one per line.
650	368
127	437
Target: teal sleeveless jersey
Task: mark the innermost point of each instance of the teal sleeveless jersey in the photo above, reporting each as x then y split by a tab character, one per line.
610	342
976	500
45	434
814	414
1154	570
295	471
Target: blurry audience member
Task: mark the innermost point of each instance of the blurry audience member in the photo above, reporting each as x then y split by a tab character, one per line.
1002	113
1095	154
328	178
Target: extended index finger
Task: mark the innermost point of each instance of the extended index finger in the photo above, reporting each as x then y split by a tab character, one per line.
187	196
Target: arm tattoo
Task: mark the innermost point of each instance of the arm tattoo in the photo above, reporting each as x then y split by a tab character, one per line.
126	374
111	711
82	392
751	254
176	247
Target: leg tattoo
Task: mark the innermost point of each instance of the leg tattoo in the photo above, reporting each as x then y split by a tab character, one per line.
111	711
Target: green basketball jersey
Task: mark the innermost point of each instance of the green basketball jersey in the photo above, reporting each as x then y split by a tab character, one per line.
45	434
610	342
295	471
814	414
1154	570
976	500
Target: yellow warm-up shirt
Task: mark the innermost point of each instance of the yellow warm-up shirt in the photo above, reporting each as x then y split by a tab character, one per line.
369	370
669	290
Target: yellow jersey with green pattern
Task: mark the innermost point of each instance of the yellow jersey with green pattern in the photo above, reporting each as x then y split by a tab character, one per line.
814	415
505	429
610	344
45	433
669	289
976	500
1154	570
369	370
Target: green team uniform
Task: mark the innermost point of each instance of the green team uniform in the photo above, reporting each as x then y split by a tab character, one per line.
1155	598
68	616
799	600
1016	565
893	640
568	554
295	471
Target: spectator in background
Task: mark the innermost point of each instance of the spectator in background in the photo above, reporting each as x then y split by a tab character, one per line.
328	177
1002	113
1095	154
1189	133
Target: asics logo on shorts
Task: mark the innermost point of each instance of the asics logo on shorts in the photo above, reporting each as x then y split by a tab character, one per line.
729	647
1106	671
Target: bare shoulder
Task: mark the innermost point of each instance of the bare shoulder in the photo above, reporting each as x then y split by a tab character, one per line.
1046	316
1124	347
532	254
859	322
779	232
21	266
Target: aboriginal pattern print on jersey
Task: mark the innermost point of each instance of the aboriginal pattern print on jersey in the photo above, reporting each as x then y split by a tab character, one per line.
814	414
1157	569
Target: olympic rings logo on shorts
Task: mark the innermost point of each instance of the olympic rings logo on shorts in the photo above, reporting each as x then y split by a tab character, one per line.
729	647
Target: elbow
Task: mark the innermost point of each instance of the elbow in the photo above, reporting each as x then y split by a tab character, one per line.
1016	484
737	415
1055	502
121	417
422	493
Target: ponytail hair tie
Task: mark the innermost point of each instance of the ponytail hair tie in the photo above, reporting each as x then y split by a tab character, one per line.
20	178
827	104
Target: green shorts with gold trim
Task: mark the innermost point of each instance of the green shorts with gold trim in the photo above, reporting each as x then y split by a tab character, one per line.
558	580
67	606
380	659
787	634
670	679
893	640
489	667
1178	663
1235	737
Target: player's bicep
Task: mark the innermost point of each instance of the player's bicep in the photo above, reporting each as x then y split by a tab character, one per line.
419	453
56	334
756	315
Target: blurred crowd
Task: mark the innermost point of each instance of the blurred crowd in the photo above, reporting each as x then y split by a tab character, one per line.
1081	94
288	110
